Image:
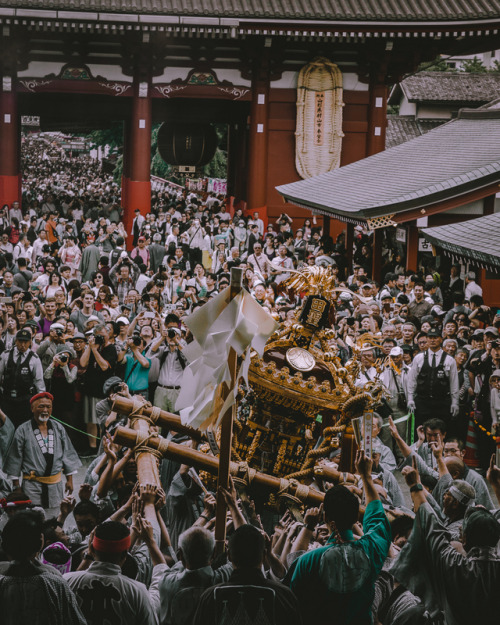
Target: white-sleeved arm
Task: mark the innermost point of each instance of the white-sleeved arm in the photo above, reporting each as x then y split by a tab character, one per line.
412	376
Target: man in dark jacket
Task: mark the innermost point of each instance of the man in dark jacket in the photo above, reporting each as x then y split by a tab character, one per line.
248	591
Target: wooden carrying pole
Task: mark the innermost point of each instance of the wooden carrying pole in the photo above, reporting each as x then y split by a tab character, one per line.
206	462
126	406
226	437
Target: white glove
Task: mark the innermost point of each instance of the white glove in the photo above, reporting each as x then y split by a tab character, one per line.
454	411
411	406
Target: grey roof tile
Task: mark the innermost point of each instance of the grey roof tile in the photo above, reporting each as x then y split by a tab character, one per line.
413	174
475	239
372	11
452	88
401	128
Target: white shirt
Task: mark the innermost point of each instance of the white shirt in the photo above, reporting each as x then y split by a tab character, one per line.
450	369
171	370
282	263
473	289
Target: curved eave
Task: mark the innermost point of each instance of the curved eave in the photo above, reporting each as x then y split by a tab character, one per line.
467	250
399	208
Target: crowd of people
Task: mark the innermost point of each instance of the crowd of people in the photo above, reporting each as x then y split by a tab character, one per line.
90	312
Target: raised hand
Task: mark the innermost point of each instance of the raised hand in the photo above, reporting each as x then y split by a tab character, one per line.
411	473
421	433
67	505
493	474
437	447
363	464
313	516
393	429
148	493
85	492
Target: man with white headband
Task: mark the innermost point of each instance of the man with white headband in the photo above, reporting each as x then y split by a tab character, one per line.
463	584
40	453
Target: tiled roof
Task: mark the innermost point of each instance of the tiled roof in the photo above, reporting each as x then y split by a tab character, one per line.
324	10
454	159
460	88
476	239
402	128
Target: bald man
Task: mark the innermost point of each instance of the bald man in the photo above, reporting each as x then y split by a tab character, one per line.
39	455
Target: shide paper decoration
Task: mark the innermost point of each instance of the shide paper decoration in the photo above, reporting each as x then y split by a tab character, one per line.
217	327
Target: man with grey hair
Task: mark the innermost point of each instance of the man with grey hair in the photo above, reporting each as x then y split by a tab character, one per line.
157	253
472	288
175	591
463	585
450	346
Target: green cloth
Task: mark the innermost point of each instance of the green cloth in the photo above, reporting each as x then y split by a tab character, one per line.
322	605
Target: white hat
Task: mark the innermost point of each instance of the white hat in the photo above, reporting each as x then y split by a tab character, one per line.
123	320
396	351
93	318
57	326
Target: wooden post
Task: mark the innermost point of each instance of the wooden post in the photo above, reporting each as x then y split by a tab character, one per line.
412	248
138	157
226	437
125	406
378	237
258	148
10	186
211	464
377	119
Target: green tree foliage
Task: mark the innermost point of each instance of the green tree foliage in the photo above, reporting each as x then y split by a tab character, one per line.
496	67
437	65
474	66
113	137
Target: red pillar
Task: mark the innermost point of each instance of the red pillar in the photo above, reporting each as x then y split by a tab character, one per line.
126	164
10	178
412	247
258	148
377	119
138	155
378	237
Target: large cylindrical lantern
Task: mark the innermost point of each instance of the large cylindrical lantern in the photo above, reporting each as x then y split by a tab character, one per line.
187	143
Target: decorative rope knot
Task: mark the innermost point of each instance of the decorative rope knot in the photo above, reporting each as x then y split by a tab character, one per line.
141	446
242	474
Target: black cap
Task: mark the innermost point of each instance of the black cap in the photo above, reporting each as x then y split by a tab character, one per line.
23	335
434	333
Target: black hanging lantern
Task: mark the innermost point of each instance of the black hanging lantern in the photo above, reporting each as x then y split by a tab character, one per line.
187	143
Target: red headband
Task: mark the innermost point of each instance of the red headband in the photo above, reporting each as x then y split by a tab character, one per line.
44	395
12	504
111	546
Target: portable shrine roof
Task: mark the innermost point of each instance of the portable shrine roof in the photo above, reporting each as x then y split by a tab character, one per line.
460	88
476	240
438	11
403	182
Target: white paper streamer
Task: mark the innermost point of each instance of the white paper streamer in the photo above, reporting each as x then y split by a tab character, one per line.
217	327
